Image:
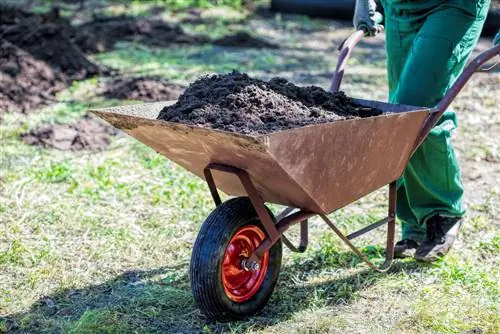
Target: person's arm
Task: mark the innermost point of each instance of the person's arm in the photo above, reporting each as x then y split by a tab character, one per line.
367	18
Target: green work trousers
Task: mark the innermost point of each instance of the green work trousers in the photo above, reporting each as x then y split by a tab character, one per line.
428	44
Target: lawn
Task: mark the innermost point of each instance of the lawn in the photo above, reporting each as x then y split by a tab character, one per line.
100	242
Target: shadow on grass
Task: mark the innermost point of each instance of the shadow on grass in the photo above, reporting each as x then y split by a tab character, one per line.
160	300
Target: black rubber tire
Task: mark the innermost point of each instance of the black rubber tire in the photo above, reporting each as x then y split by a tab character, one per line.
206	261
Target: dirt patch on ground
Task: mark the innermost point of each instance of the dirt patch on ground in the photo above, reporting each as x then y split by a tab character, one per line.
243	39
237	103
85	134
148	89
102	34
47	37
38	58
25	82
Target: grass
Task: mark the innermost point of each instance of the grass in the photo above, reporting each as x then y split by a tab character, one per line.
186	4
100	241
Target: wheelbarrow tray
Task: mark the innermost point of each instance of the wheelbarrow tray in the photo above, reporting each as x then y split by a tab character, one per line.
319	168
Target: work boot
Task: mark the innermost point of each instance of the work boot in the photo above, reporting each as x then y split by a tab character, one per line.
405	248
440	235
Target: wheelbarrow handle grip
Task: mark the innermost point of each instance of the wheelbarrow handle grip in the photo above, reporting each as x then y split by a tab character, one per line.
345	51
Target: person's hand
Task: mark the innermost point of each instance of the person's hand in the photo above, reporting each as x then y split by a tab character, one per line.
367	18
496	40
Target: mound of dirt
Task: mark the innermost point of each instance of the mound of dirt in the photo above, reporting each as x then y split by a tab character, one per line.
237	103
85	134
243	39
47	37
25	82
102	34
148	89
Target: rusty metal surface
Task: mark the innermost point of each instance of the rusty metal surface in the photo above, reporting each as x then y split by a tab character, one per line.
194	148
338	163
209	178
391	225
318	168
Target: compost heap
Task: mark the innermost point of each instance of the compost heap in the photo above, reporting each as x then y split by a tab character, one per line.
237	103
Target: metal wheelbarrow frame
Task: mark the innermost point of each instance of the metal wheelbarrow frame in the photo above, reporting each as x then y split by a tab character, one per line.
264	168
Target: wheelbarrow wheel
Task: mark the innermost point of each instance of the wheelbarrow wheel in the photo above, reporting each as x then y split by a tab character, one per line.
221	287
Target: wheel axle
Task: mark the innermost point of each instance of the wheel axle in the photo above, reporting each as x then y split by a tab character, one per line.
250	265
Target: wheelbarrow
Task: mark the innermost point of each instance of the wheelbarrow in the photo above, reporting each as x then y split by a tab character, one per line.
313	170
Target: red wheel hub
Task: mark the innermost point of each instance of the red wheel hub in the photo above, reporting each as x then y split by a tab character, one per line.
239	284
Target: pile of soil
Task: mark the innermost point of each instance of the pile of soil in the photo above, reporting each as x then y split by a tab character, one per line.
47	37
102	33
85	134
237	103
243	39
38	58
147	89
25	82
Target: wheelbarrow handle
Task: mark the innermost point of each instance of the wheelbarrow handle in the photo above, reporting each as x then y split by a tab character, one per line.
476	65
345	51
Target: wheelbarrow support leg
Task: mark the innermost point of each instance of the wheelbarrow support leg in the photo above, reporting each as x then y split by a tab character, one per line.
304	239
287	219
391	225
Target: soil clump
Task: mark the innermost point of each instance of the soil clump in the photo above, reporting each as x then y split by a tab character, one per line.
243	39
237	103
85	134
147	89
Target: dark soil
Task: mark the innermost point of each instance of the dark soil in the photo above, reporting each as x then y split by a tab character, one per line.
47	37
38	58
86	134
148	89
237	103
102	34
243	39
25	82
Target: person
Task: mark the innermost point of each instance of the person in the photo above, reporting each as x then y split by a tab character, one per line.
428	43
